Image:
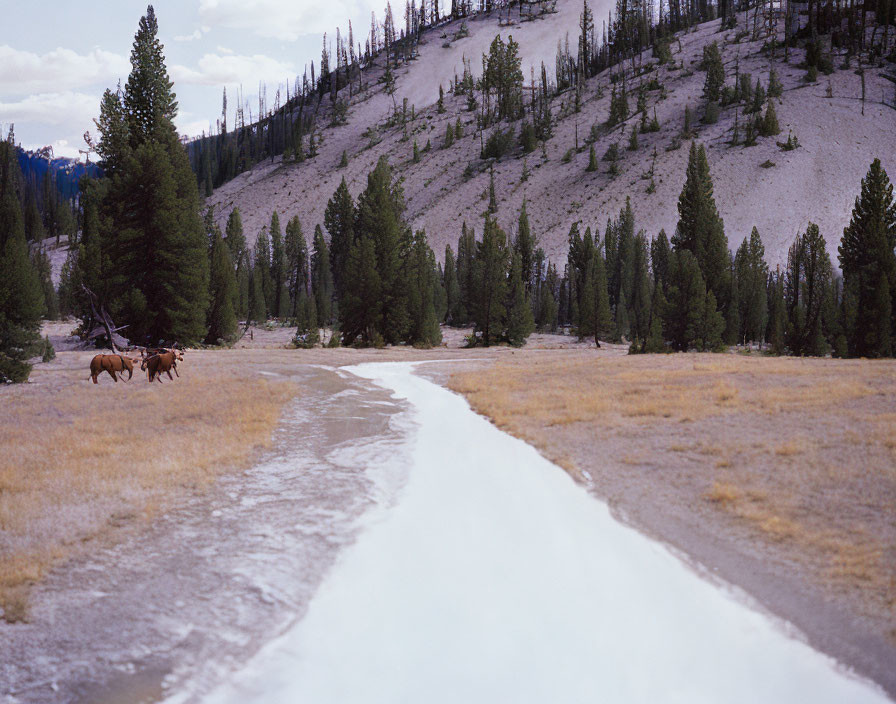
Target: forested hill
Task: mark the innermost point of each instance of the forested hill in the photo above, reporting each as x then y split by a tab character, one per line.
464	146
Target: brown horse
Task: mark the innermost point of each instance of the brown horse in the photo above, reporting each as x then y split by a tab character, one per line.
111	363
154	365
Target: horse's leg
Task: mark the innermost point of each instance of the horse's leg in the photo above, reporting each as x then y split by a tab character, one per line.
112	374
175	371
169	374
94	376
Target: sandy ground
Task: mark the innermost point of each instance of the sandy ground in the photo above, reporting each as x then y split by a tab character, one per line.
775	474
817	182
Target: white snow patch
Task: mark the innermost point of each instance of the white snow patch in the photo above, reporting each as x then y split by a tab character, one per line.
494	577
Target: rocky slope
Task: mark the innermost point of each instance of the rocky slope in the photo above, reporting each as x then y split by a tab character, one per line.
777	191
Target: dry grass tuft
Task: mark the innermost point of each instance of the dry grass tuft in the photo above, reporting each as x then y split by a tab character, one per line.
80	459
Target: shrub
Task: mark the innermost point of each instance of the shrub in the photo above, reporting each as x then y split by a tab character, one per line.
711	115
612	153
528	140
498	144
769	126
775	89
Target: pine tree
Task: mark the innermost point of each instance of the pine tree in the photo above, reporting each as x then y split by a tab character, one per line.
360	308
490	283
777	320
262	266
321	278
449	136
466	253
380	216
339	219
586	298
686	301
422	283
234	237
770	126
280	306
42	268
659	259
221	319
711	323
257	307
807	284
454	305
866	254
525	245
603	317
715	73
592	160
492	200
158	264
297	275
641	299
21	306
700	230
520	323
749	293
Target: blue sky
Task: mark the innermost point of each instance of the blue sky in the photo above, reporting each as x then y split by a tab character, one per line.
58	56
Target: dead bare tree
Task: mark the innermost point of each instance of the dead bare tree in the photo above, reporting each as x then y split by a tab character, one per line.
101	316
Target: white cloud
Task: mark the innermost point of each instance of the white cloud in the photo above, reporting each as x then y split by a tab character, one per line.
188	37
70	109
286	20
61	147
225	50
217	70
23	72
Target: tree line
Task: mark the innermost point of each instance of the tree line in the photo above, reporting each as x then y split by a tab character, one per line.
691	292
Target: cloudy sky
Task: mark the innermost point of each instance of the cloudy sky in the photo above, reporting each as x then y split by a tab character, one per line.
58	56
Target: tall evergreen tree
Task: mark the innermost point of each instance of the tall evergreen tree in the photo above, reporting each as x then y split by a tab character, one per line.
525	245
43	269
807	284
520	323
466	254
749	289
280	306
321	278
21	306
297	276
868	257
221	320
453	313
360	308
490	283
700	230
685	310
262	268
422	281
339	219
380	217
158	263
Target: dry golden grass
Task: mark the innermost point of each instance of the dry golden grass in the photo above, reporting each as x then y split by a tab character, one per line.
78	459
797	454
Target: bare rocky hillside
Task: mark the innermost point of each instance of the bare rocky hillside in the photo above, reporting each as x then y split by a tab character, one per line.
778	191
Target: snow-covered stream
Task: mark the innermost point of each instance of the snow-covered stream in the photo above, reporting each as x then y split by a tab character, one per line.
495	578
